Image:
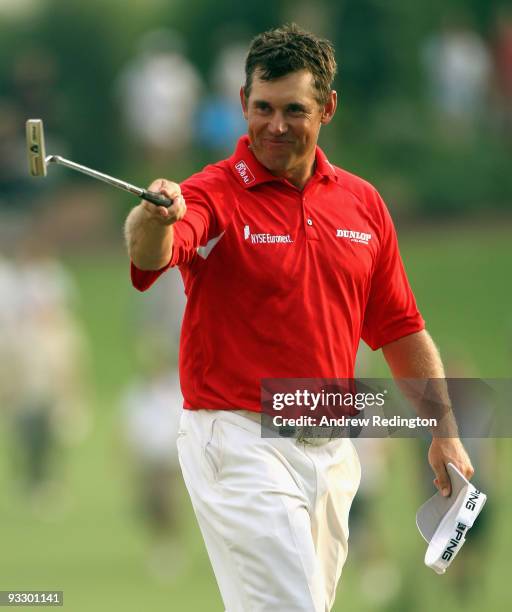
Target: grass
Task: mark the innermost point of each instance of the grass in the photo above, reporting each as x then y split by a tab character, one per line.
96	550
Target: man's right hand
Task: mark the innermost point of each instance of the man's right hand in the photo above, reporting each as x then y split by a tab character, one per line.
161	214
148	229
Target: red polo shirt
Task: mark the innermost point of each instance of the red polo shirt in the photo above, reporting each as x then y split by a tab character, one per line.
281	283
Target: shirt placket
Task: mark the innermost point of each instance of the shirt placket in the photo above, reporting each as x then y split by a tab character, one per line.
308	216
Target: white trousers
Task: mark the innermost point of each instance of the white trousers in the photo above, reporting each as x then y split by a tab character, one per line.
273	512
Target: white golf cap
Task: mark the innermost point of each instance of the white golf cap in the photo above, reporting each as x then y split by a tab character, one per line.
444	521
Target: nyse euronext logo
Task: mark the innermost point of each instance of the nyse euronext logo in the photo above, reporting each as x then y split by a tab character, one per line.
266	238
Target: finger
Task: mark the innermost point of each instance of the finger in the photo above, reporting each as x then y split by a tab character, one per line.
154	210
465	468
443	480
170	190
180	207
177	208
164	211
167	188
176	211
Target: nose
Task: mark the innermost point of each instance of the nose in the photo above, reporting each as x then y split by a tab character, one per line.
277	125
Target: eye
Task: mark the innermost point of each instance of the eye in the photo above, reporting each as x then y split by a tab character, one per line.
296	110
262	107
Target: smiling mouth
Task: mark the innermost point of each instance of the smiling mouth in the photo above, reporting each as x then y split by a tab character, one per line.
276	143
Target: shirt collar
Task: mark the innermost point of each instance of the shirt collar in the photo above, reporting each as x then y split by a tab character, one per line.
249	172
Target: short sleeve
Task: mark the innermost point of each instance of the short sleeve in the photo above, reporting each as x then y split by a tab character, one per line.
143	279
391	311
191	232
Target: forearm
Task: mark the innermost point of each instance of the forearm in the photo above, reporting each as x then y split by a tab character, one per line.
148	241
148	229
414	356
418	370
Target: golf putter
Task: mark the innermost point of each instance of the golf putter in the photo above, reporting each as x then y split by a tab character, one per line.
38	165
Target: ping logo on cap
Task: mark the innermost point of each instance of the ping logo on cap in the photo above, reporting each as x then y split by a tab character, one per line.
454	542
471	503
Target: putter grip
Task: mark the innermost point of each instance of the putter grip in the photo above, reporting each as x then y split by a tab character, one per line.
156	198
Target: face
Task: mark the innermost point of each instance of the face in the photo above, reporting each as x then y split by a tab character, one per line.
283	122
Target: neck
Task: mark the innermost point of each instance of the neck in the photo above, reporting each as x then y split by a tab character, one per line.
299	176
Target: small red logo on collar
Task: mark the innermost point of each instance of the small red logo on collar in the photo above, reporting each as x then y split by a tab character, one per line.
244	171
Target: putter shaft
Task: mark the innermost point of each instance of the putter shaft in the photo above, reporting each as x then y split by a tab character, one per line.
57	159
38	162
151	196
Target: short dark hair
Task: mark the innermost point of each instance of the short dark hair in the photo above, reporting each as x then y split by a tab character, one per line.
287	49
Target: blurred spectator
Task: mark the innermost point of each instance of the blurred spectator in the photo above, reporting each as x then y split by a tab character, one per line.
159	90
33	93
458	66
8	332
34	79
159	313
46	403
220	119
13	165
151	410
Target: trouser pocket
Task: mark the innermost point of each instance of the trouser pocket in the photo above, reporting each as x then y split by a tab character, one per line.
213	450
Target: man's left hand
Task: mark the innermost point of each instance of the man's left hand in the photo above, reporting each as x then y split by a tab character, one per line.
448	450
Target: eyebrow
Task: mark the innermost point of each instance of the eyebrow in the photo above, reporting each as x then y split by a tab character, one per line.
293	106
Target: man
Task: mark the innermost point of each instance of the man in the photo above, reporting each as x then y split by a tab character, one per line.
277	288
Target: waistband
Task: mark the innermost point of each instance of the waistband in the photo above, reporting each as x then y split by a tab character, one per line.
301	434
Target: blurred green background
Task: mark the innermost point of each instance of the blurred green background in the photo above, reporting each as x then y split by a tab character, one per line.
425	115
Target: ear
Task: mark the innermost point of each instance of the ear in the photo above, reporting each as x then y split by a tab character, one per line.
329	108
243	101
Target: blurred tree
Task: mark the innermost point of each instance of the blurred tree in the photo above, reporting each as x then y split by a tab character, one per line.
383	130
203	25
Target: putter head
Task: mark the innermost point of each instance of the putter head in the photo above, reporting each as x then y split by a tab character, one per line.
35	147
